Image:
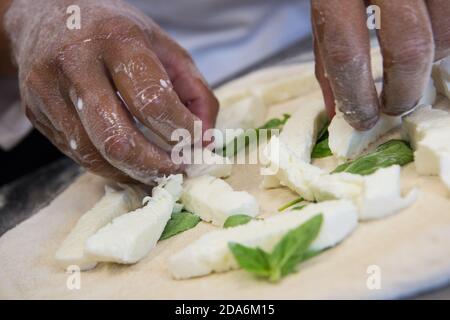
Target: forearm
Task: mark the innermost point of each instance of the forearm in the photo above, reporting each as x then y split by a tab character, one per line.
6	65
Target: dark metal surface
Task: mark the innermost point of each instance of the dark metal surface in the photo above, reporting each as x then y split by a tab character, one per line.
22	198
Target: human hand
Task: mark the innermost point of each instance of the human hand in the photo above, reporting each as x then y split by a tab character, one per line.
413	34
69	79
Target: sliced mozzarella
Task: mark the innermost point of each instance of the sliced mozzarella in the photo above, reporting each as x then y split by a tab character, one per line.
445	169
177	208
341	185
129	238
212	164
290	170
111	205
247	113
214	200
429	96
237	89
347	143
299	135
428	130
210	253
381	195
377	195
423	122
269	181
441	76
301	130
314	184
285	88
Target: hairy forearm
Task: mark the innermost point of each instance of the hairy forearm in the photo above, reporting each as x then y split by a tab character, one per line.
6	65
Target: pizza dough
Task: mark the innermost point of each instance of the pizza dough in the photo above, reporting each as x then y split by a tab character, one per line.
409	251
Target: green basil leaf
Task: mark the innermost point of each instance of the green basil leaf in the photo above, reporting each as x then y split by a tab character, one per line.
311	254
237	220
322	149
253	260
290	251
233	147
290	204
323	133
387	154
286	255
276	123
300	207
179	222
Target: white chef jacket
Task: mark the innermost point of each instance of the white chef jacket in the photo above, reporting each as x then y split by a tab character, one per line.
223	37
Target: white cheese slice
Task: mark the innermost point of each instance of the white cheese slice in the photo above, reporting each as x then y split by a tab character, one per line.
441	76
429	96
314	184
177	207
341	185
381	195
247	113
212	164
423	122
346	142
214	200
298	135
377	195
130	237
428	131
285	88
210	253
289	169
236	89
301	130
113	204
445	169
270	182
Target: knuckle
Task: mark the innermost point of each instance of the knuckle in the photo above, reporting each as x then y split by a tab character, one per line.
412	53
184	54
32	79
339	54
69	58
30	115
118	148
120	28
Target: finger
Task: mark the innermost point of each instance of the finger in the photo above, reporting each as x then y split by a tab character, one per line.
147	90
57	119
439	11
406	42
189	84
327	92
111	128
343	42
44	126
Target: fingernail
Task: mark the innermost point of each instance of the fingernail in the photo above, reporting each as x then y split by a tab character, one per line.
362	124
